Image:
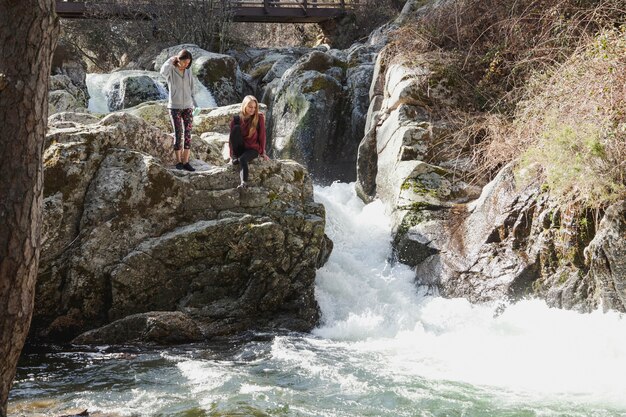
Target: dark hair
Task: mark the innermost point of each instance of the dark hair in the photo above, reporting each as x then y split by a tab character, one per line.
184	54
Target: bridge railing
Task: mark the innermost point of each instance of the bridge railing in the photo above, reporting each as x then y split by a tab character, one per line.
333	4
241	10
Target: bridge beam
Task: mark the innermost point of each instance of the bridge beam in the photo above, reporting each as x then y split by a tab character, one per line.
285	14
266	13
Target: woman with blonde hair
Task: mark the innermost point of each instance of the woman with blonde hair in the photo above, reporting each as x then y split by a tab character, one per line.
247	137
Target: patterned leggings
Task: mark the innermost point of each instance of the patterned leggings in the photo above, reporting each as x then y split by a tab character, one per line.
179	118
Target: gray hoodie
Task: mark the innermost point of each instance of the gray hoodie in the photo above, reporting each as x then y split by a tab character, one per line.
180	86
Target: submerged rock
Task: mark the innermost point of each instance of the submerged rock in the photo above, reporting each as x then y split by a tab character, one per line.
126	234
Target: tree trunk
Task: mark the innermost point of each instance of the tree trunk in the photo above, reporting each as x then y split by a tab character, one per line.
28	31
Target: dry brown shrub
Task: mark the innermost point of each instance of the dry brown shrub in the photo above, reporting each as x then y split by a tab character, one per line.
575	124
501	49
501	43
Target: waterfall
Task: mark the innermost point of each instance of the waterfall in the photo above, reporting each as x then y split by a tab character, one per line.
100	86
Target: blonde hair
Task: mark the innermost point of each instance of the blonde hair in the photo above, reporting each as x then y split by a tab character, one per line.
255	118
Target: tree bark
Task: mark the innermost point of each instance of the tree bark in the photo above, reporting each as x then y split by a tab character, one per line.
28	32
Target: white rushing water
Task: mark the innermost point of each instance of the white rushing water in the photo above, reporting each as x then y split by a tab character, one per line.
383	349
99	85
527	347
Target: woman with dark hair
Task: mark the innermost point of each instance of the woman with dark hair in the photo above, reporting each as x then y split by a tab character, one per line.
247	138
181	102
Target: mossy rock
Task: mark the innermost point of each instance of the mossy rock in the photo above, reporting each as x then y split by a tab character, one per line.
153	112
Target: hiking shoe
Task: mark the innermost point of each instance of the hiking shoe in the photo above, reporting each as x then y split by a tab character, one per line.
188	167
235	161
243	186
180	166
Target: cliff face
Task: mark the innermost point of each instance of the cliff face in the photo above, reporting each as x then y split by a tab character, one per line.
505	240
125	234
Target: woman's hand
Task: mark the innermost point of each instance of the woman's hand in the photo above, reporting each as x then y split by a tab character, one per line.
265	157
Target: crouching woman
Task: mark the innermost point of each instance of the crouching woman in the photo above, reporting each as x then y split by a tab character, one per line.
247	137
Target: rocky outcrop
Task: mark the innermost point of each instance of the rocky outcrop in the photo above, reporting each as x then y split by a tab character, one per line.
515	242
68	87
319	109
158	327
606	257
399	160
125	234
65	96
129	88
505	240
265	66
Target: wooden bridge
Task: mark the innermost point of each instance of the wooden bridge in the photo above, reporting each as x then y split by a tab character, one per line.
265	11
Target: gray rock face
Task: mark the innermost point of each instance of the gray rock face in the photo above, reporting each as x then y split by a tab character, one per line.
131	88
606	255
505	242
68	87
66	96
319	110
514	242
125	234
482	250
391	165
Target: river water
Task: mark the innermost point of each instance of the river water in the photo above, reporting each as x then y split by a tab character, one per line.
382	349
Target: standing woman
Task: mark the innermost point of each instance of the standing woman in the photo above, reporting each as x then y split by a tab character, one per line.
250	143
181	102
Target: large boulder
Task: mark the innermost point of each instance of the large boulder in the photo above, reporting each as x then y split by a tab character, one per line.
158	327
155	113
65	96
124	234
68	86
264	65
319	110
129	88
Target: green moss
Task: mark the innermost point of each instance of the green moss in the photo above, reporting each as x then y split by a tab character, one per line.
261	71
411	219
317	84
160	185
215	71
154	114
298	176
572	159
418	187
